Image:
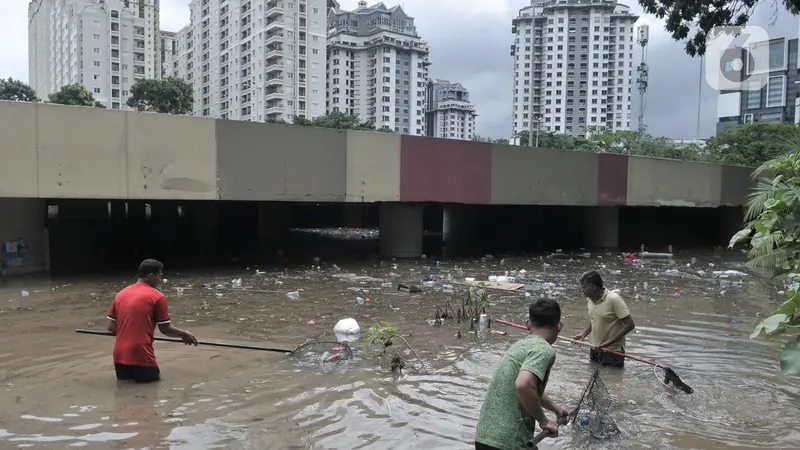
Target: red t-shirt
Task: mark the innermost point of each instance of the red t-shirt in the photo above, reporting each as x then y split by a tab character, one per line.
137	309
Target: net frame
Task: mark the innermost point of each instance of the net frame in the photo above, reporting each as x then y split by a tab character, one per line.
328	350
591	415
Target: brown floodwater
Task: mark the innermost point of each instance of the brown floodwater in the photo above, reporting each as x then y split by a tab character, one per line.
59	390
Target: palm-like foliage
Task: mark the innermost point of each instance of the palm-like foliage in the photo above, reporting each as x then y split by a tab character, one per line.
772	217
772	214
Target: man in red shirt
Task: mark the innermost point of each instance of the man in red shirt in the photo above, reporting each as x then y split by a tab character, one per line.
133	317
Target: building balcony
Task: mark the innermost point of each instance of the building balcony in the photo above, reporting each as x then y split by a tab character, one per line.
274	37
274	52
273	94
273	25
273	108
275	81
274	9
274	66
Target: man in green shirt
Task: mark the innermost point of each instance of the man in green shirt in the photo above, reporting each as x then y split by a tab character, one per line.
609	321
515	400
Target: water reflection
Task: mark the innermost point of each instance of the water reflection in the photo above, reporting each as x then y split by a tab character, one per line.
697	323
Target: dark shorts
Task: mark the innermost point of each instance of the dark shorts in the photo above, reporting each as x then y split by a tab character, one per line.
139	374
607	359
479	446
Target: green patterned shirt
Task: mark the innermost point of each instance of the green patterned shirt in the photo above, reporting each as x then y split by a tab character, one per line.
503	422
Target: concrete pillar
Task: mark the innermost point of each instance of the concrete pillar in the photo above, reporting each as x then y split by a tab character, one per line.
352	215
274	223
401	230
205	225
601	226
460	226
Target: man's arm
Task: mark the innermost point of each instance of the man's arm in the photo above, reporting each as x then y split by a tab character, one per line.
528	394
165	323
627	327
585	333
167	329
111	317
561	413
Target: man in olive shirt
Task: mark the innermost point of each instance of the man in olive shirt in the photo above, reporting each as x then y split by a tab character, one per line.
609	321
515	400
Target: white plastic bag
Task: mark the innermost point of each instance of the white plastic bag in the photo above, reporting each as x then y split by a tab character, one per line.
347	326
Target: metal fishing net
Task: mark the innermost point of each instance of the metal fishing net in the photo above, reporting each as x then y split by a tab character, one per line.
592	416
323	352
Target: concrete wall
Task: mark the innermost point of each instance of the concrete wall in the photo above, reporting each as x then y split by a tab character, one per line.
663	182
24	218
170	157
373	167
19	176
523	176
280	162
53	151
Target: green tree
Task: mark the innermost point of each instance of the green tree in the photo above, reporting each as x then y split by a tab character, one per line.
168	96
546	139
751	144
16	91
74	95
684	16
488	140
339	120
772	231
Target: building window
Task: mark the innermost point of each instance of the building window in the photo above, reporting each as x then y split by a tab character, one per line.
753	96
96	90
776	55
776	91
96	63
96	50
770	117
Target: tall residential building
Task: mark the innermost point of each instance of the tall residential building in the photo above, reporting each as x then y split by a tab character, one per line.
104	45
573	66
449	113
768	93
256	60
377	67
169	53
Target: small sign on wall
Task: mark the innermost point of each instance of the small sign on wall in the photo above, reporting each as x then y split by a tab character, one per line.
13	253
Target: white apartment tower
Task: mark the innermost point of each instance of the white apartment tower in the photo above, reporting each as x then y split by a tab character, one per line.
449	112
106	45
377	67
169	53
573	66
256	60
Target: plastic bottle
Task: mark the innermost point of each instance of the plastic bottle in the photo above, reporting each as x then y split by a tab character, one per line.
293	295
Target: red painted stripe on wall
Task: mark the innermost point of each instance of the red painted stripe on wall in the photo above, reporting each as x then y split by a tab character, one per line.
612	179
445	170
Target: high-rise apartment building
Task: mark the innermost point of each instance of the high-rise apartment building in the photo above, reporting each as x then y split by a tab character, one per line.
449	113
573	66
104	45
169	53
257	60
377	67
768	84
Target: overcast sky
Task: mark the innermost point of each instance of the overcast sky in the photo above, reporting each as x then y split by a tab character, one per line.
470	41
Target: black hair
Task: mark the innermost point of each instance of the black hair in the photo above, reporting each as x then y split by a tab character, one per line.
544	312
592	277
150	267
